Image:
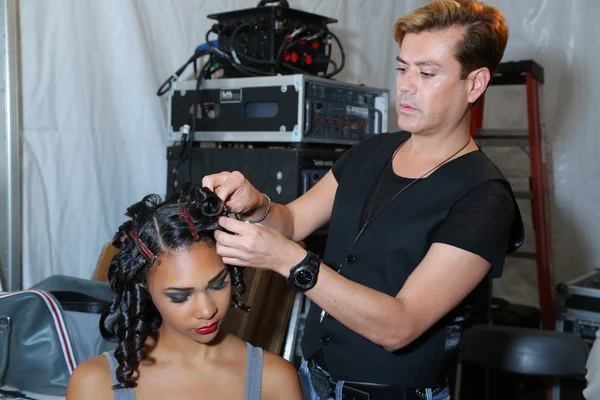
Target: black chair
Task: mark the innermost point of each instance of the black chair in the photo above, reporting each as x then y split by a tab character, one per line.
522	351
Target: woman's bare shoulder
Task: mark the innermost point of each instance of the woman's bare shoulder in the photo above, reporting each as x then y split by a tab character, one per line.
280	378
91	380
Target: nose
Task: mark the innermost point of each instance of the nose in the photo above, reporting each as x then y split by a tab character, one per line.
406	82
204	306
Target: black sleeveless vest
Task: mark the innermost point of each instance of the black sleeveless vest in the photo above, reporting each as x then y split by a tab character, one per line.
384	256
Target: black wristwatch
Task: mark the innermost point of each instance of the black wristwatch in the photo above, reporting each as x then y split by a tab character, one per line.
304	275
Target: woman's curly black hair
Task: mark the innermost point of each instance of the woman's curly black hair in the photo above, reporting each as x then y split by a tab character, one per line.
160	227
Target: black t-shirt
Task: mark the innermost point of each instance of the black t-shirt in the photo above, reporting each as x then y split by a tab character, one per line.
478	223
474	210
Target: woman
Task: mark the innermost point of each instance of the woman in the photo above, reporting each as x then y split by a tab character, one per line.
172	293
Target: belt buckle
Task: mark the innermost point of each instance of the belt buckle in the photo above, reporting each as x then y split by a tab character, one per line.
421	392
320	382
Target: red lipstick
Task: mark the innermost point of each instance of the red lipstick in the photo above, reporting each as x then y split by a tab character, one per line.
207	329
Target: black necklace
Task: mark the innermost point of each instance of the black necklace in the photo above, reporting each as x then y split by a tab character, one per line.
389	163
369	218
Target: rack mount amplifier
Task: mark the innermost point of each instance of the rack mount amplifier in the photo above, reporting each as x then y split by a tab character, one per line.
279	109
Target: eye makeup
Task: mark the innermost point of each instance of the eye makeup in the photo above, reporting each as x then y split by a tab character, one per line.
181	294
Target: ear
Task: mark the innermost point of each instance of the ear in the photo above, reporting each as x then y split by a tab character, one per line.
477	82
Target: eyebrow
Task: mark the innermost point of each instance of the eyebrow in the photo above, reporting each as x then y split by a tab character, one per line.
220	276
419	63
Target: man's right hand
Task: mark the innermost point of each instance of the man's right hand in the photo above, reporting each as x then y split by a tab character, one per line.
236	192
295	220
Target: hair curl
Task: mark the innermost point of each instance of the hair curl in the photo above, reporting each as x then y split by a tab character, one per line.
133	316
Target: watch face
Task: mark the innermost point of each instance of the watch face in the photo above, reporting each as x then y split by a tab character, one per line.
304	278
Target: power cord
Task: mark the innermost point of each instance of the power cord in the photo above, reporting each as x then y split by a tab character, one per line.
221	57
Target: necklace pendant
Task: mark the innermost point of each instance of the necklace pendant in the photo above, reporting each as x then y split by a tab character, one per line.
323	313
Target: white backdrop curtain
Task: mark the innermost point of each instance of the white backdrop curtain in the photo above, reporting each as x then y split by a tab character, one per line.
95	133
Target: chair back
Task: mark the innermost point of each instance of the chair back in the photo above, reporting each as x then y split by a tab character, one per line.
525	351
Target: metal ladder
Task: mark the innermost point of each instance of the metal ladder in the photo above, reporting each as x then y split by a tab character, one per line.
530	74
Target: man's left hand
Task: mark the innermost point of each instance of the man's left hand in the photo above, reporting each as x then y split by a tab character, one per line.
257	246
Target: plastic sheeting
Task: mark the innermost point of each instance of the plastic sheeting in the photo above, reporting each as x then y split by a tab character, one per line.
95	131
562	37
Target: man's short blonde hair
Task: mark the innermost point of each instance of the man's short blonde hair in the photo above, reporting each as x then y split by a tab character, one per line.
485	37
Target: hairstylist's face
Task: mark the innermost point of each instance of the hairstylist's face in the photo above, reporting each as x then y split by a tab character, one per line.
192	291
431	95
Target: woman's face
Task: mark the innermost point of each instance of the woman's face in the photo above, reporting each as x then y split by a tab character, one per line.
192	291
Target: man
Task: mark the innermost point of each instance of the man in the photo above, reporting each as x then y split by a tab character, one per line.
417	220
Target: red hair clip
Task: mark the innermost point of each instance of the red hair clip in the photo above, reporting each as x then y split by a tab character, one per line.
148	255
184	215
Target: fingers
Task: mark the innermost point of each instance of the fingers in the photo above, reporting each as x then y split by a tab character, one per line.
224	184
227	191
230	252
235	261
234	190
227	239
226	248
229	187
215	180
243	236
237	227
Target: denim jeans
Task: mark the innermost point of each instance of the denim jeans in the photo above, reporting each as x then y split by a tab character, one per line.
308	392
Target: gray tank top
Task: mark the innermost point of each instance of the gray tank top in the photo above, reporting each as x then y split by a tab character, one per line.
254	367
